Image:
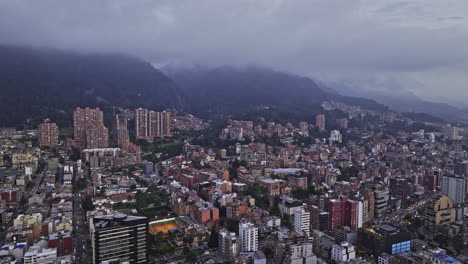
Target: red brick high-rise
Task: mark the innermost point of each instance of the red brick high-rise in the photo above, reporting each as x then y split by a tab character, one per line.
320	122
89	130
151	124
335	214
47	134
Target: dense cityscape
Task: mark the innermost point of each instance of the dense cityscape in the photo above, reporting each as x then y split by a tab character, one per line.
164	187
233	132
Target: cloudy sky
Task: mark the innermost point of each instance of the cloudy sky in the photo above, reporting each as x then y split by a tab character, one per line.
419	45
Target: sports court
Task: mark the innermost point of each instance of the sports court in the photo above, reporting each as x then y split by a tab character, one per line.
163	227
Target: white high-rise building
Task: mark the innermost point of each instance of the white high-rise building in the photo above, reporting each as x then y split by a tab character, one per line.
335	136
454	188
302	221
343	253
248	236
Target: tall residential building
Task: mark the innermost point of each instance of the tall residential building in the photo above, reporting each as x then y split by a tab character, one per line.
342	123
120	133
120	237
88	128
248	236
343	252
439	211
369	206
353	217
304	128
320	122
335	136
453	133
228	245
454	188
151	124
302	222
48	134
300	253
335	212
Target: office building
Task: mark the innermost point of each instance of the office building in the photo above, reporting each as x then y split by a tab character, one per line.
454	188
248	237
439	211
120	237
300	254
302	222
399	188
151	124
383	239
228	245
324	221
343	252
88	128
381	202
320	122
48	134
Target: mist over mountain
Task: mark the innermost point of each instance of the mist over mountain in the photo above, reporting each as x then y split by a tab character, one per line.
43	83
230	89
46	83
400	99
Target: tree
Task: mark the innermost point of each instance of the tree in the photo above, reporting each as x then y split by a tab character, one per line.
87	203
441	239
244	164
213	240
190	256
80	184
188	239
457	243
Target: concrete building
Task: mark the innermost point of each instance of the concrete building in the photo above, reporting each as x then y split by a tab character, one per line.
300	254
228	245
343	252
335	136
248	237
453	133
439	211
454	188
381	202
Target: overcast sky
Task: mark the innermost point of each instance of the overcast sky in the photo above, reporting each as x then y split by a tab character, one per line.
420	45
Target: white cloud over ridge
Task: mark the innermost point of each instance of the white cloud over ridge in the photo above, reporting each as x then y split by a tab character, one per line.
416	39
